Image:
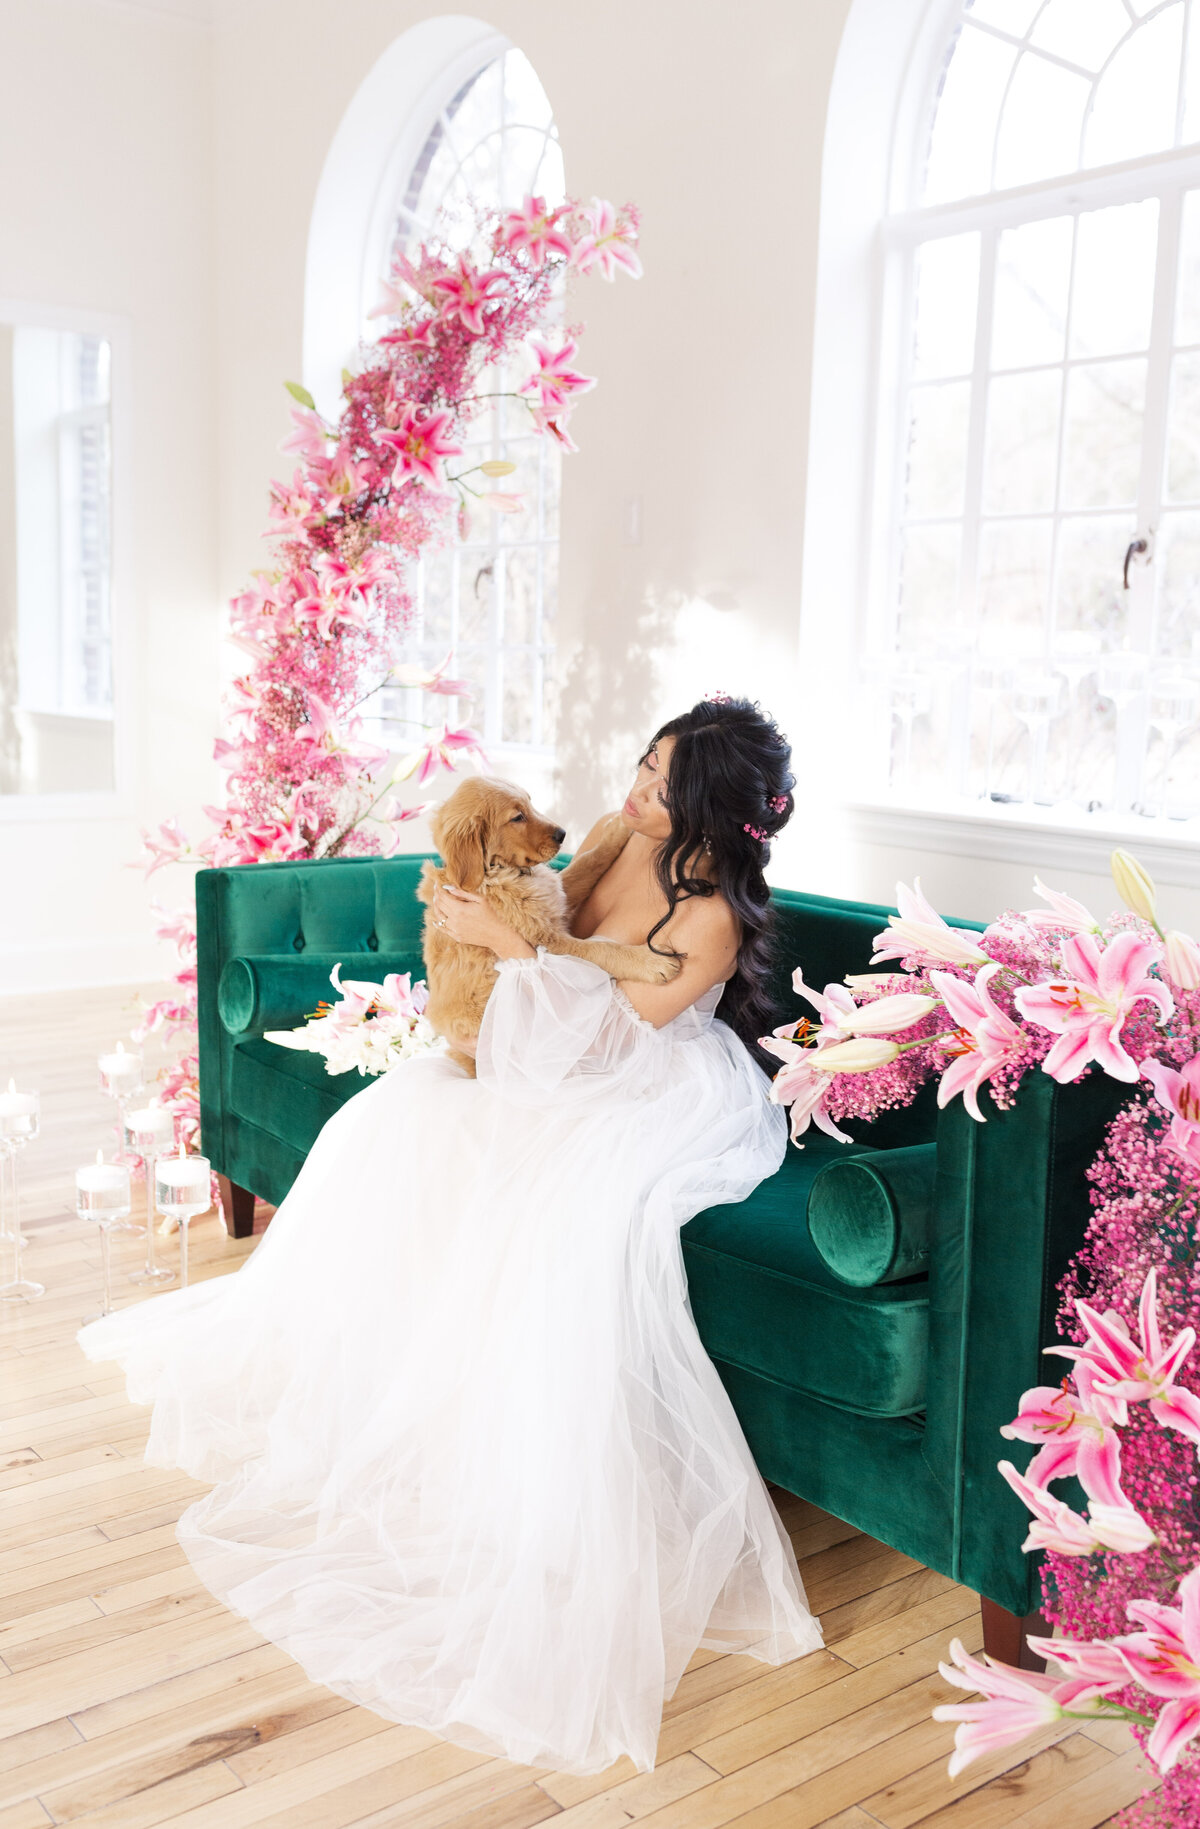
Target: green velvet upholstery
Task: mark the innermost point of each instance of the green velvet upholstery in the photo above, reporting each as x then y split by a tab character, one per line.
870	1215
872	1358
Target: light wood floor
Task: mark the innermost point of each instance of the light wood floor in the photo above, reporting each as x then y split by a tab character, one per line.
129	1697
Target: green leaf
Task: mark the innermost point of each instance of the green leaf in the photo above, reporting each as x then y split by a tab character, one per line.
301	394
347	377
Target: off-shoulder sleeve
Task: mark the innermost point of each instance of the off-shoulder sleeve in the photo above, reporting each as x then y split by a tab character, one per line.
559	1025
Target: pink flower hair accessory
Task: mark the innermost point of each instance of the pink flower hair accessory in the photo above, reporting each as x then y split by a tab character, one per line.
755	833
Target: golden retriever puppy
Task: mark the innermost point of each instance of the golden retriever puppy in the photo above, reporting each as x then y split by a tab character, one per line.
495	843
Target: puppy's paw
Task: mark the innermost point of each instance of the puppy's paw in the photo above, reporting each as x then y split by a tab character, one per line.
664	970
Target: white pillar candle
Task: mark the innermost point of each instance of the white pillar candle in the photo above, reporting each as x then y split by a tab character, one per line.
183	1181
102	1189
18	1112
152	1127
122	1072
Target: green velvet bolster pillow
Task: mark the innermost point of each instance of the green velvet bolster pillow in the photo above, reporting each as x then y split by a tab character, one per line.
270	992
870	1216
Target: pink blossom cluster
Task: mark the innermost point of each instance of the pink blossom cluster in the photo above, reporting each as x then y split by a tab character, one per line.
322	624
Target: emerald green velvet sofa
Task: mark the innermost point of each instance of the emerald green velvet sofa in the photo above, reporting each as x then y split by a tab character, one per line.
874	1310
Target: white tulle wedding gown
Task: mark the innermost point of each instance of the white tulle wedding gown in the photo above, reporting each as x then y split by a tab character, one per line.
471	1465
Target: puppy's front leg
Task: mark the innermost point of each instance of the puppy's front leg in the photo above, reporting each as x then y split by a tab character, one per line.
636	962
586	868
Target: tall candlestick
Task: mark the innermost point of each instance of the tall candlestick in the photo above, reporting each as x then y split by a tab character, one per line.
150	1130
20	1115
183	1184
102	1194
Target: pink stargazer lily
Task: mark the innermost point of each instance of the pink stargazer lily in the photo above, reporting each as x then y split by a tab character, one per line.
800	1086
842	1017
554	381
1165	1659
466	293
610	242
421	445
439	753
556	425
534	230
986	1039
919	928
1064	911
1056	1527
1015	1703
1087	1007
309	436
1074	1429
1179	1094
1138	1371
167	846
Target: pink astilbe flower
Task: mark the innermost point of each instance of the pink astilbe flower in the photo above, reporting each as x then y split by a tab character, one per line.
987	1039
1088	1006
554	381
1015	1703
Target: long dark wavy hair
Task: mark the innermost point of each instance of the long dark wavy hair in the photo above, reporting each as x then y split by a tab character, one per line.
729	791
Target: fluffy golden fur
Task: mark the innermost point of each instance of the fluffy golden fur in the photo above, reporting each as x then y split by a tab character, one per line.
493	842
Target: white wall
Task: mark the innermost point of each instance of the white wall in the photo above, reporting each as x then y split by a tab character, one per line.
106	202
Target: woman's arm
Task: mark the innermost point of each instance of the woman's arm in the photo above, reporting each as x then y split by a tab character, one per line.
705	930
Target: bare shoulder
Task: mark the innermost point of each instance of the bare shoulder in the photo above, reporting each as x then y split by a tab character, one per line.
705	923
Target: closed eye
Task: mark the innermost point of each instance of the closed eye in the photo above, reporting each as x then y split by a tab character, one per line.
517	819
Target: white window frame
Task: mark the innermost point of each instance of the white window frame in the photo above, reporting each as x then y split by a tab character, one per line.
889	62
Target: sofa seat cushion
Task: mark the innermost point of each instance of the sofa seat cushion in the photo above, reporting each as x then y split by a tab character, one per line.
287	1093
765	1302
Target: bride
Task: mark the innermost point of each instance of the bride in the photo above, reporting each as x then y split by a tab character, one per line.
471	1466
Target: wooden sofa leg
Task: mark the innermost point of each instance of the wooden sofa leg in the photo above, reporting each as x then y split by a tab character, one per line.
239	1207
1005	1635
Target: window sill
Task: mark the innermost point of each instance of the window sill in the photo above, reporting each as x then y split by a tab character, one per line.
1041	838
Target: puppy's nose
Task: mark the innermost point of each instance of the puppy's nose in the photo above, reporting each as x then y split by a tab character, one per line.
558	834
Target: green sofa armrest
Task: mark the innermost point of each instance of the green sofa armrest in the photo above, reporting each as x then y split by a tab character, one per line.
269	992
870	1217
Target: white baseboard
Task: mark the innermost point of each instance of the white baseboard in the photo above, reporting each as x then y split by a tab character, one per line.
75	964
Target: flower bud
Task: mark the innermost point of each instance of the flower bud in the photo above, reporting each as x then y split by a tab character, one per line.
505	504
888	1014
1182	962
863	982
497	466
1134	886
862	1055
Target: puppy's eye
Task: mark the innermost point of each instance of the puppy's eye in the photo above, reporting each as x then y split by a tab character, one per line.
518	819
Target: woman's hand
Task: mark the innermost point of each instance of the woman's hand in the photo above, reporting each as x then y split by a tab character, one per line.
465	916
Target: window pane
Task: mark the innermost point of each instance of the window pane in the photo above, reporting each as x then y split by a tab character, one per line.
937	448
947	286
1134	109
524	98
1015	16
1114	279
1022	442
518	698
520	596
1088	587
960	151
475	586
1082	31
1177	574
435	594
1041	123
1103	440
1183	442
1187	311
1014	586
1033	273
928	584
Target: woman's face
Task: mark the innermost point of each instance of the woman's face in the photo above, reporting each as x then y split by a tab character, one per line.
645	811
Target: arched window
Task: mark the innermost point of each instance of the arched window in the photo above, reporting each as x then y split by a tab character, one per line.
491	597
1034	592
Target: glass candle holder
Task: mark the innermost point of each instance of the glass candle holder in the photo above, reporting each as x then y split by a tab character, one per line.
150	1133
183	1188
102	1194
20	1120
121	1079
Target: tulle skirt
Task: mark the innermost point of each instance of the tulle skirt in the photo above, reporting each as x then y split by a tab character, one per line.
471	1466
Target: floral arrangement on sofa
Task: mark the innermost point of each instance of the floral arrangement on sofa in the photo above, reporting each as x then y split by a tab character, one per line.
371	1028
323	624
1053	990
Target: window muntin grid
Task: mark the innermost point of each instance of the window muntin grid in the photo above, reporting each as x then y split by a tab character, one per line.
1051	365
492	597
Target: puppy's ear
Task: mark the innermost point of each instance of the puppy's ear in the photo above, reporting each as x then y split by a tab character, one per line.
458	835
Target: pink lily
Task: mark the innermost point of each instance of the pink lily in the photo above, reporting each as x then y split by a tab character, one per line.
1138	1371
325	613
439	752
1056	1527
292	510
555	425
421	445
1087	1007
610	242
1064	911
1181	961
986	1039
919	928
465	293
166	847
308	437
1075	1432
408	674
1165	1659
178	929
533	230
501	501
1016	1703
799	1085
1179	1094
1095	1659
554	381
